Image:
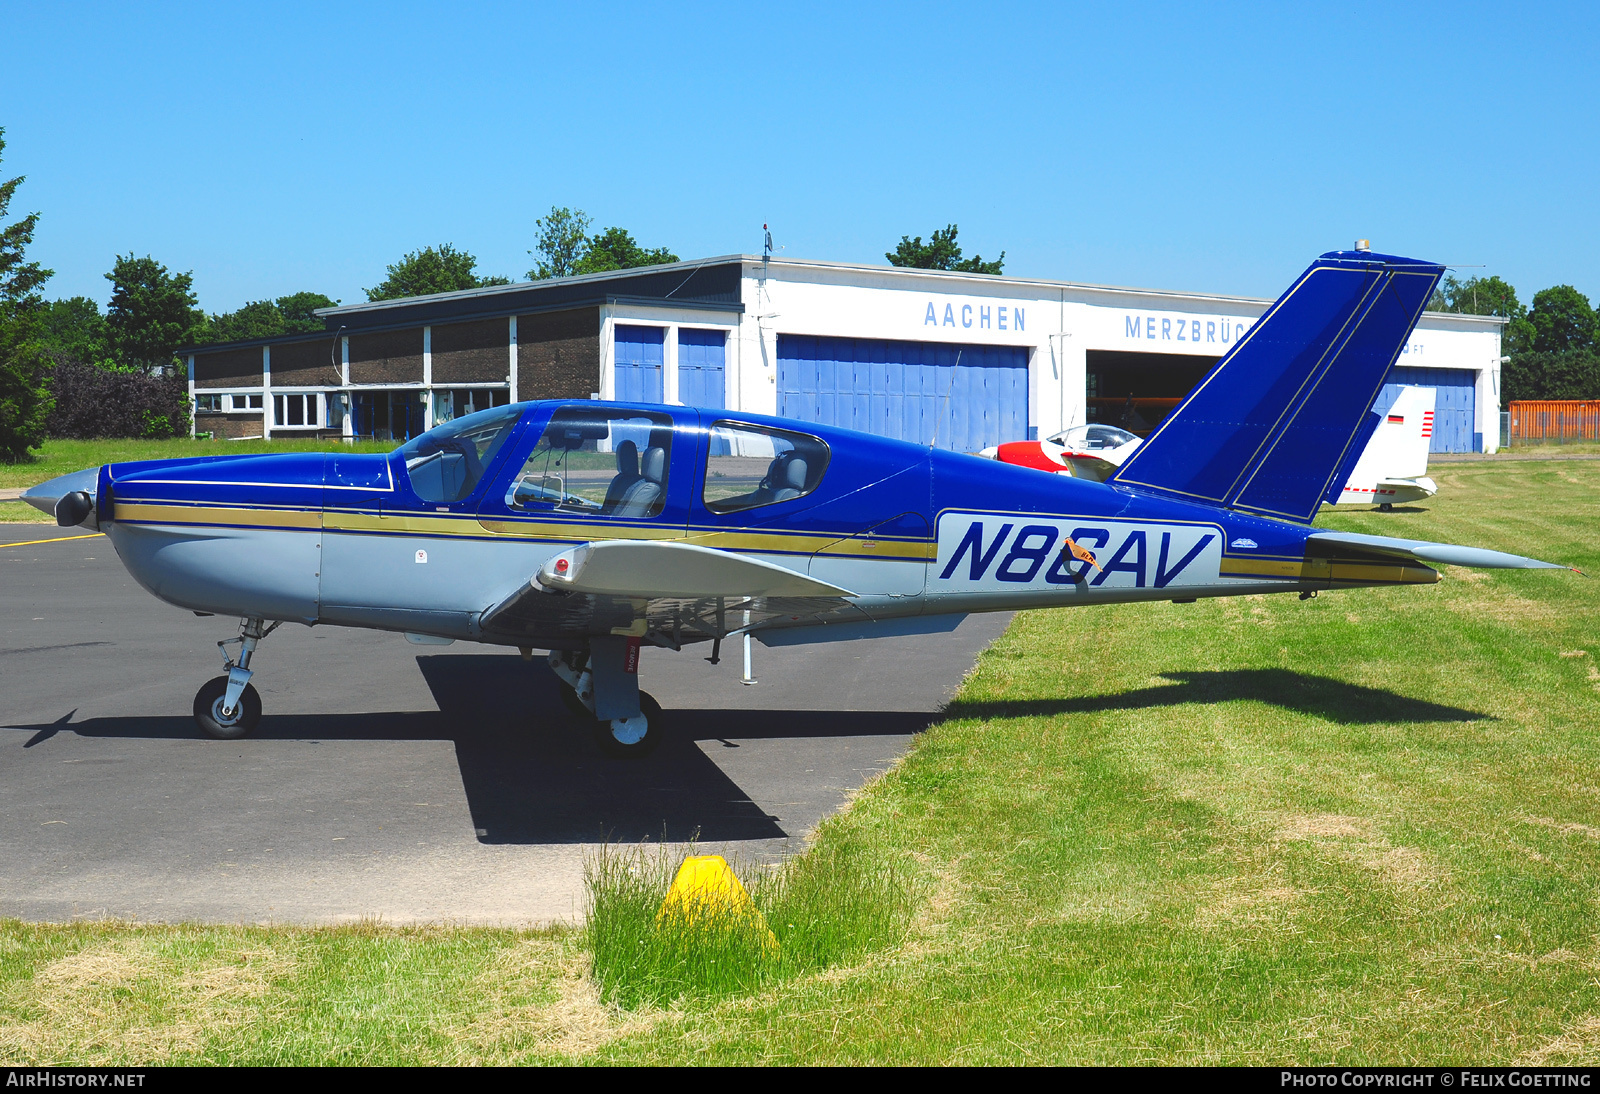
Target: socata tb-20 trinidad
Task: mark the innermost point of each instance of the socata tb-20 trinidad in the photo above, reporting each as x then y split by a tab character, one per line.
592	529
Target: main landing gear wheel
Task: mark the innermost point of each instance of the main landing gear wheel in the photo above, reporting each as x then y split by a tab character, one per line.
628	738
226	727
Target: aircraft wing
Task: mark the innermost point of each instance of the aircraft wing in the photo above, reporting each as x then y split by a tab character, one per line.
1445	554
656	568
678	590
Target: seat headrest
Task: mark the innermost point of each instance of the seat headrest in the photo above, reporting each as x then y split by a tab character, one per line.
795	474
627	458
654	464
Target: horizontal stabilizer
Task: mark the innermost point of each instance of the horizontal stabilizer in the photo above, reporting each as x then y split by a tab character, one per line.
1275	421
651	569
1442	554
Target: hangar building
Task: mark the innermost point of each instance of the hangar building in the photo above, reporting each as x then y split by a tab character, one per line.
961	361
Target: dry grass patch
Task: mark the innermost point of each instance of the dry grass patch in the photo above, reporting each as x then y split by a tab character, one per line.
1566	828
1577	1046
567	1020
136	998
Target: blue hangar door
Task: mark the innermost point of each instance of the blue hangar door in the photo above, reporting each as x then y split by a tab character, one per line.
1455	413
640	356
958	397
702	358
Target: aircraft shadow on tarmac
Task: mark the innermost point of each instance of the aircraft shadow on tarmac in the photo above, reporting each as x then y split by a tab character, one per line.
532	774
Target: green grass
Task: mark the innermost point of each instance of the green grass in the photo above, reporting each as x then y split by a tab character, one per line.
20	512
823	908
60	457
1359	829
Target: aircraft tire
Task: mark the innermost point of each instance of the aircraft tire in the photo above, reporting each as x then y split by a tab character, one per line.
644	745
208	711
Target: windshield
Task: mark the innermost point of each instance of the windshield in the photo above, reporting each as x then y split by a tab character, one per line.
1093	438
445	463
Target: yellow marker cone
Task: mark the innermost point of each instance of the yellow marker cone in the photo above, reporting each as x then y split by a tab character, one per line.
707	884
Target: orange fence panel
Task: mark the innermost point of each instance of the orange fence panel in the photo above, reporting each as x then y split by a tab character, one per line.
1554	421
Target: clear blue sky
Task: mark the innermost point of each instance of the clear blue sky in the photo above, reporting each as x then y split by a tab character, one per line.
286	147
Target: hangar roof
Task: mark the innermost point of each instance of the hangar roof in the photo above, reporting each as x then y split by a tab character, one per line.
705	284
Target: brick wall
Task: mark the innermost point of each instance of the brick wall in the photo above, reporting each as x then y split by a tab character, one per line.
306	364
388	357
468	353
232	368
558	354
229	425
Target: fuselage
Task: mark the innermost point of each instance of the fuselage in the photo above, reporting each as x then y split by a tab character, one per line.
376	540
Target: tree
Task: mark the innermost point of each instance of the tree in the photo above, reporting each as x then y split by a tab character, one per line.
565	248
296	310
1562	320
1487	296
152	313
615	249
432	270
257	319
563	238
269	318
73	329
941	252
24	367
1573	374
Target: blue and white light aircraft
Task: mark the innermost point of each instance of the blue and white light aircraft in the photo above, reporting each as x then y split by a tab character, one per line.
595	529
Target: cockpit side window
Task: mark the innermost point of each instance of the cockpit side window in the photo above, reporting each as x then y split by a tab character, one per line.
445	463
749	466
591	460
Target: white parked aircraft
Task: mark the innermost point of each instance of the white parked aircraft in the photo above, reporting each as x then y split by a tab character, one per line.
1392	468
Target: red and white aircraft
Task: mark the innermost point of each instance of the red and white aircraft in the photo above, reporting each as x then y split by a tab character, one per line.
1392	468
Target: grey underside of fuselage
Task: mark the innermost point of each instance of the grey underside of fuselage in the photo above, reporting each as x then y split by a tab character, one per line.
452	586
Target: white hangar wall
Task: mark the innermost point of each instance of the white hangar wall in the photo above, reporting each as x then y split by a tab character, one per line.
952	358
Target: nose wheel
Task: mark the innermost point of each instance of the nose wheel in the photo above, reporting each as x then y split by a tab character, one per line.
215	720
228	707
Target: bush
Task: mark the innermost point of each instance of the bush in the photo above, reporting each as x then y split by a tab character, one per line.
96	402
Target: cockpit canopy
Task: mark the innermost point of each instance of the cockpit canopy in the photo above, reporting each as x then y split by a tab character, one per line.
1093	438
597	459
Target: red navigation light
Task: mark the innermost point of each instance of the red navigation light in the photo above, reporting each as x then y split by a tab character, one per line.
561	565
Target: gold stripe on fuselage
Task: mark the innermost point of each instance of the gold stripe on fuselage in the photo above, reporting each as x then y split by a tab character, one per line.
229	516
442	525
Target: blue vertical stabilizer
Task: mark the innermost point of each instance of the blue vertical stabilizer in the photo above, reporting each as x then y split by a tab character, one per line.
1269	428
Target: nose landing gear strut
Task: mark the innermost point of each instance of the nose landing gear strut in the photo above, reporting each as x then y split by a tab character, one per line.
228	707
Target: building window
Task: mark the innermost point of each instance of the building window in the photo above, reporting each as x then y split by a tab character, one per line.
750	466
208	404
245	402
452	403
291	411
